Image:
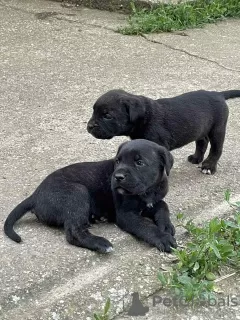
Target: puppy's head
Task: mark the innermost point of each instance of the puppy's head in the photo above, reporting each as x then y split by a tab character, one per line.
115	114
139	165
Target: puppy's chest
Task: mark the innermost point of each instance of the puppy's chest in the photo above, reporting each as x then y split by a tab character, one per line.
146	205
149	200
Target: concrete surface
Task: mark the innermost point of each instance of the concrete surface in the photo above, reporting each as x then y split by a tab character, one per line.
55	62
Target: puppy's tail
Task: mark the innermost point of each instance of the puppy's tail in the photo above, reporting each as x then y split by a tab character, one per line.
15	215
230	94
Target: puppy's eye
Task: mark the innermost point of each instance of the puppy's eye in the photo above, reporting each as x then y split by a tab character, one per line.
107	116
139	163
117	161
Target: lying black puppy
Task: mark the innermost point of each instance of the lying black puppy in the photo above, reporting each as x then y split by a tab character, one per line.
74	196
199	116
139	184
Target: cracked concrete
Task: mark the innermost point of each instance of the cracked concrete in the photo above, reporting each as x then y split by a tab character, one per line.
195	55
55	62
201	42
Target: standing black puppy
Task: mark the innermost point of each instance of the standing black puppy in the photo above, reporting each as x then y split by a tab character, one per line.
139	184
74	196
199	116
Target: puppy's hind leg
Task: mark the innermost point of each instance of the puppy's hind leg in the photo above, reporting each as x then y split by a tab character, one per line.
77	205
216	137
76	227
201	147
80	236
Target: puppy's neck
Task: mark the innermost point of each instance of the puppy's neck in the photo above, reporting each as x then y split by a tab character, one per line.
156	192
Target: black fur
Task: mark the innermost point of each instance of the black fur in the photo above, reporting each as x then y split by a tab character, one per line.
199	116
77	195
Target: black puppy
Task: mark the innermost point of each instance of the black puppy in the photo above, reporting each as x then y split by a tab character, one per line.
74	196
139	184
199	116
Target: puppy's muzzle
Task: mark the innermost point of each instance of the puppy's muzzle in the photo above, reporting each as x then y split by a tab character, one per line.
119	177
120	182
91	125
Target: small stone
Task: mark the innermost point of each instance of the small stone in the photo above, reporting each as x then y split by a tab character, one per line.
15	299
97	296
55	316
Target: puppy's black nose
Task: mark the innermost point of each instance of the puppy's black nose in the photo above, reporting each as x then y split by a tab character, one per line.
91	125
119	176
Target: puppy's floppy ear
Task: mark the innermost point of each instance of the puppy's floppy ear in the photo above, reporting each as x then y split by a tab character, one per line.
120	147
135	107
166	159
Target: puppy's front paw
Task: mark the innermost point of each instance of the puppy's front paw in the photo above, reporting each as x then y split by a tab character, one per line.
167	227
103	245
194	160
166	243
206	171
208	168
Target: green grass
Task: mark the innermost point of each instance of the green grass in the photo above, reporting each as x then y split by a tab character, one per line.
105	314
181	16
212	246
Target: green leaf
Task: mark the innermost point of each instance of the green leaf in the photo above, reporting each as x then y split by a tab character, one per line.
196	266
210	276
216	251
237	206
133	7
180	216
214	225
107	306
231	224
177	291
237	218
184	279
227	195
162	278
96	317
